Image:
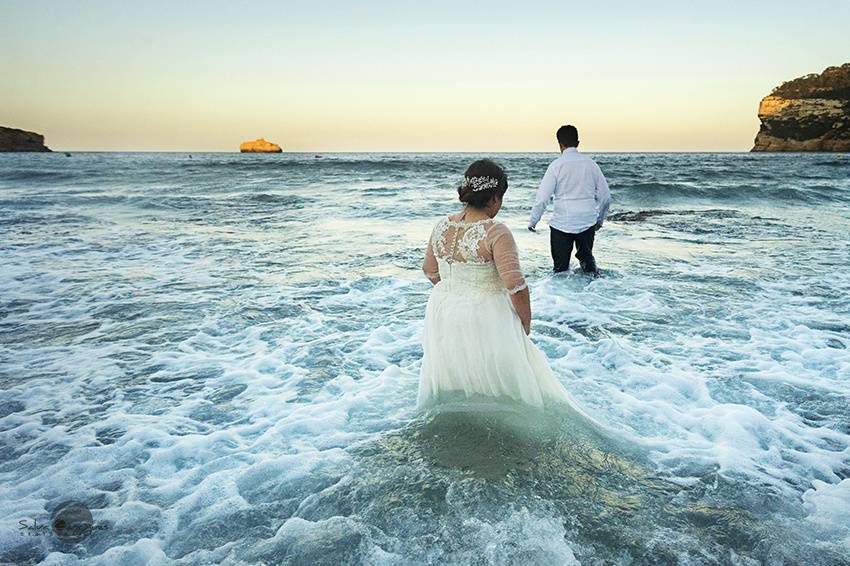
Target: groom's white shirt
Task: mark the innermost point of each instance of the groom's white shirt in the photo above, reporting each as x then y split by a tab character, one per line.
580	193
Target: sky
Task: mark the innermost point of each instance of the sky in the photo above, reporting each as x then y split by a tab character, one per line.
405	76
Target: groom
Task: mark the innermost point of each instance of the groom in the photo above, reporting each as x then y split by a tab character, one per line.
581	199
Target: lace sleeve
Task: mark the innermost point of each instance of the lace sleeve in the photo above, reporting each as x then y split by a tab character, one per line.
429	266
506	258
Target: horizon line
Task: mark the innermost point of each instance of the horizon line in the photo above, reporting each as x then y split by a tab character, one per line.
317	152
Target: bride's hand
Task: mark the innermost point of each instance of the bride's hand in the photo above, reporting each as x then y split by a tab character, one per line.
521	301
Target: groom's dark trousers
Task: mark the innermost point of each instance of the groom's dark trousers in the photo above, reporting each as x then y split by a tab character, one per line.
562	249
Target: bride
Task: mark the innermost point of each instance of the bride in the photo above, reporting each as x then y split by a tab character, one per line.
478	316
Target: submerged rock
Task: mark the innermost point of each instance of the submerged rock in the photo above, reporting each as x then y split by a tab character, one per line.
810	113
259	146
12	139
528	487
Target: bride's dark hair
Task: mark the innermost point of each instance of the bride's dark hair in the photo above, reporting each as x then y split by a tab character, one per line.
483	168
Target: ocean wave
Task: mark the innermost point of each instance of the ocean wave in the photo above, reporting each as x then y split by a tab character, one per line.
39	175
814	194
257	163
280	200
842	162
641	215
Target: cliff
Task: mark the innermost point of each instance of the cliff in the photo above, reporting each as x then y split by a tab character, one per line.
259	146
21	140
810	113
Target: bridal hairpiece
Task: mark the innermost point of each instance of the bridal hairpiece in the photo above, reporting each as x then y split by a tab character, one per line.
479	183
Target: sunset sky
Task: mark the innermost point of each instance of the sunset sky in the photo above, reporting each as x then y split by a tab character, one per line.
405	76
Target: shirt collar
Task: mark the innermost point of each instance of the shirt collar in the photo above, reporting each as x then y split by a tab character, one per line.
570	150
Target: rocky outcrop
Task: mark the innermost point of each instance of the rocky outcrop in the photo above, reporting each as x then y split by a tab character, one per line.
811	113
259	146
21	140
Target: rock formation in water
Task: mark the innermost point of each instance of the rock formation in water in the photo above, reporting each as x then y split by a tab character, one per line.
21	140
259	146
811	113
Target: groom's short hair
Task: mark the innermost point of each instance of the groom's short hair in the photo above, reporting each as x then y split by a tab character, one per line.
567	136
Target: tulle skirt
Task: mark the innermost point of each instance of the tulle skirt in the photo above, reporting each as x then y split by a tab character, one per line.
474	346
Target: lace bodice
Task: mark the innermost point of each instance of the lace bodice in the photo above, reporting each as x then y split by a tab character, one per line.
479	254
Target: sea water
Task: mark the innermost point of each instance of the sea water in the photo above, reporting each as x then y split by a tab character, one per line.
217	355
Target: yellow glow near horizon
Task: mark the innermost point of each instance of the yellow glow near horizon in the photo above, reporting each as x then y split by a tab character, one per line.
370	117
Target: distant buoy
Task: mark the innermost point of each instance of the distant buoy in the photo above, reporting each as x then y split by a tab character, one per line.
317	156
67	154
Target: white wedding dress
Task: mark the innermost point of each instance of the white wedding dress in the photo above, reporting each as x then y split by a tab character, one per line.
473	342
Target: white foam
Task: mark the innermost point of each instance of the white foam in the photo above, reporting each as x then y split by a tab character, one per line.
828	506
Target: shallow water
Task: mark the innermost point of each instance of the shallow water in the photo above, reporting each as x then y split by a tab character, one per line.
218	356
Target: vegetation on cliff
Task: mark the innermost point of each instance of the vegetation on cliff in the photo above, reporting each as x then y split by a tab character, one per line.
833	82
